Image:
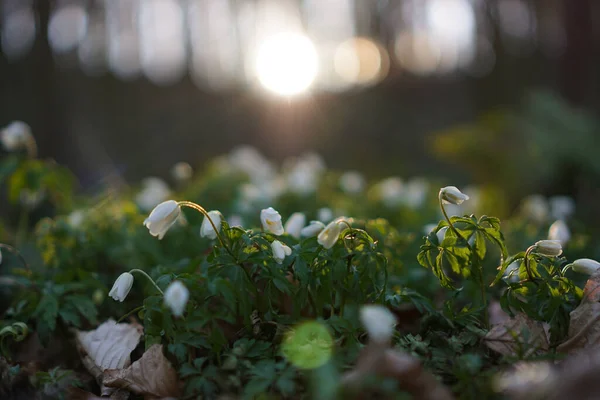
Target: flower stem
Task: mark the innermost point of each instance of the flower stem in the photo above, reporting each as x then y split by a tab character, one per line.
450	223
474	261
129	313
527	268
201	209
147	276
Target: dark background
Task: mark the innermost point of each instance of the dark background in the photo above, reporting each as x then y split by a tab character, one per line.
102	125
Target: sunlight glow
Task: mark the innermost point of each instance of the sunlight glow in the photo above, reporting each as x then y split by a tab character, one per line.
286	63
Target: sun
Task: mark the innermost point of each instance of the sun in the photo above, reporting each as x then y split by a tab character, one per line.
286	63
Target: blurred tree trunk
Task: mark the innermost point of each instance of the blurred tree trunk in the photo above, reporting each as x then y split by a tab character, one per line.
576	64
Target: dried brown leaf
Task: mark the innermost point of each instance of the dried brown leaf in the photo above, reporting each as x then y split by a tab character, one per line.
152	375
584	327
109	346
518	335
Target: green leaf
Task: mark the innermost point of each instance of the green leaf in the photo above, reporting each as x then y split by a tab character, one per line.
46	314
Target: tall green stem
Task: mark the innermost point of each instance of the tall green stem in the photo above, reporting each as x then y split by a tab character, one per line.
476	263
147	276
201	209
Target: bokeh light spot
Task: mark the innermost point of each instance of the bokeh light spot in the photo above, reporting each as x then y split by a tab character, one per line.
286	63
308	345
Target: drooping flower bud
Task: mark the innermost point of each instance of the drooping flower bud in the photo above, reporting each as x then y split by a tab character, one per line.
559	231
313	229
550	248
176	298
206	229
329	236
451	195
585	266
294	224
162	218
379	322
121	287
271	221
280	250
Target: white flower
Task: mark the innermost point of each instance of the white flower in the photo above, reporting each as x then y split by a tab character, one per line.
248	160
585	266
513	266
176	297
330	234
294	224
313	229
235	220
416	192
302	174
559	231
76	218
550	248
391	191
535	207
324	214
271	221
162	218
352	182
154	190
379	322
17	136
441	234
561	207
121	287
206	229
451	195
30	199
280	250
182	172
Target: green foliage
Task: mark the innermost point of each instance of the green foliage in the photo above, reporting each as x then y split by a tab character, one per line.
244	328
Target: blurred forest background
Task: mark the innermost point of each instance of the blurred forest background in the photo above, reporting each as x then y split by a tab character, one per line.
495	92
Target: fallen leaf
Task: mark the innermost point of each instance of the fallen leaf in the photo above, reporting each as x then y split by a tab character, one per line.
109	346
152	375
584	327
518	335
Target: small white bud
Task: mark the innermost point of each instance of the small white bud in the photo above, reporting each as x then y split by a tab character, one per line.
585	266
294	224
559	231
176	298
313	229
121	287
162	218
451	195
379	322
329	236
280	250
271	221
206	229
550	248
